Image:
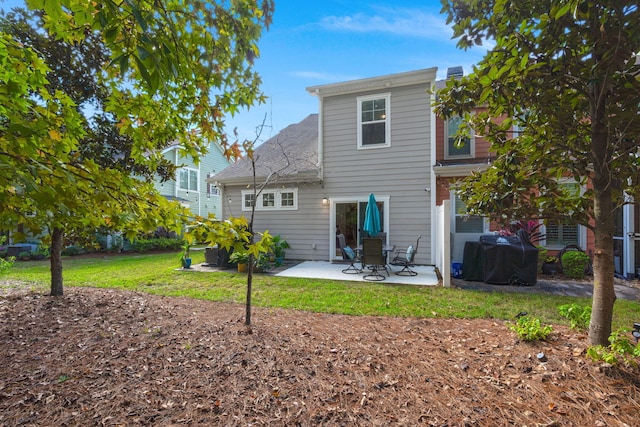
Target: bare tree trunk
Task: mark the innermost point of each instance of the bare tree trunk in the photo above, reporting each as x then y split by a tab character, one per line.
604	294
57	238
247	319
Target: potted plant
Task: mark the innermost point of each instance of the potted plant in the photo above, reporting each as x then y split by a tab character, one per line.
542	256
278	247
551	265
241	258
262	263
186	256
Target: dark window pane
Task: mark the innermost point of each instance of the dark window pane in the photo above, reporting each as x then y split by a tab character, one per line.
464	150
373	133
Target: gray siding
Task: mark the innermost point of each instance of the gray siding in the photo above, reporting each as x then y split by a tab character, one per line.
401	171
302	228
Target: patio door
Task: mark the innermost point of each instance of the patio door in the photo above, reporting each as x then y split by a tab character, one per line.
347	217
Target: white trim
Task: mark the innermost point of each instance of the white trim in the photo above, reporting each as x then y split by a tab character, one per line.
387	120
189	170
385	199
472	144
450	171
433	190
582	230
427	75
485	221
277	199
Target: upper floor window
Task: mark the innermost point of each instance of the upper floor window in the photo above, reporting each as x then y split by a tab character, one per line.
285	198
452	150
373	121
188	179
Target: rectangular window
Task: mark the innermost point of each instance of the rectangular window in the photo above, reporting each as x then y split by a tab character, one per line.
466	223
453	150
561	234
268	200
188	179
285	198
247	201
373	121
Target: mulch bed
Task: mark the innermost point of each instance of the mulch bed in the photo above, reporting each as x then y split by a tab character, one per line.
115	358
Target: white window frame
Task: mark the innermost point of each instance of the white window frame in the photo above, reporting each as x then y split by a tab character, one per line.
454	216
277	199
582	235
472	144
189	171
386	121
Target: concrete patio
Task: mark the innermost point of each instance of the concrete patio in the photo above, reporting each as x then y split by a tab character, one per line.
325	270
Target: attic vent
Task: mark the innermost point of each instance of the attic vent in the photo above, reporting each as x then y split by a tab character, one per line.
455	72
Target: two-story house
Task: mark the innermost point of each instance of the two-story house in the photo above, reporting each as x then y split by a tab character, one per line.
453	163
372	135
190	187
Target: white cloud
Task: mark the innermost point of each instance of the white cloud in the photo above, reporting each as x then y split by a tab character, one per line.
397	21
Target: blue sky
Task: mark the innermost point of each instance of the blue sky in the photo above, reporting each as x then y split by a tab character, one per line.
320	42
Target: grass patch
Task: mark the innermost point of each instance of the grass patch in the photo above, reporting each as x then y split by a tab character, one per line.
158	274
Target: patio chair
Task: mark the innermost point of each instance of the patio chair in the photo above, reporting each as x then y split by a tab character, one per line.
374	259
404	258
348	254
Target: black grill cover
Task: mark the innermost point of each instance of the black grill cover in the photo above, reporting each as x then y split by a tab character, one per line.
472	261
509	260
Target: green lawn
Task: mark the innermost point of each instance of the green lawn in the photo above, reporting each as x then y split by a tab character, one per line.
157	274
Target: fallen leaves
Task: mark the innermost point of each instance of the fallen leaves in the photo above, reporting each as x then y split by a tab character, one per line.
140	359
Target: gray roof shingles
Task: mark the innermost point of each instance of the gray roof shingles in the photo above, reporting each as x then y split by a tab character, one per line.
291	155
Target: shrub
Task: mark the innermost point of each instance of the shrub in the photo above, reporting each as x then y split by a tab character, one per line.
6	263
41	253
72	250
621	350
239	257
530	329
160	244
579	316
574	264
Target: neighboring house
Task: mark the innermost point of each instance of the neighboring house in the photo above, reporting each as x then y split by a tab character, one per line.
454	163
370	136
191	188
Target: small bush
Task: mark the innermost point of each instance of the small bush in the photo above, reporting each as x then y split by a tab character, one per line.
574	264
5	264
72	250
620	351
160	244
579	316
530	329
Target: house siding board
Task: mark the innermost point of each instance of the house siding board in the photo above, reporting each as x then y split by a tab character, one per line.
199	203
302	228
401	171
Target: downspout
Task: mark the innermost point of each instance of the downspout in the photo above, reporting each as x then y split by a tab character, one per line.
175	181
320	137
331	234
199	196
432	175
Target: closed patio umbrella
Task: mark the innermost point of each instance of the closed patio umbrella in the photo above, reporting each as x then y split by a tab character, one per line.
372	217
